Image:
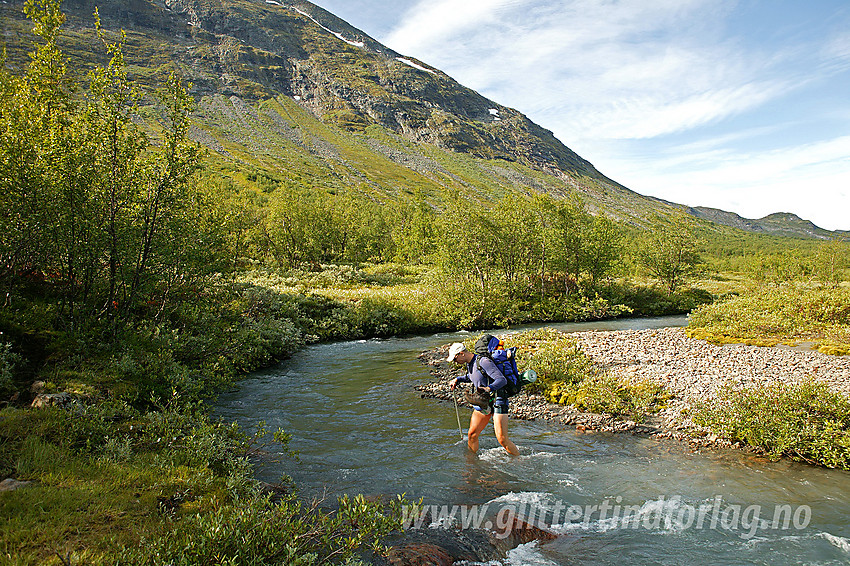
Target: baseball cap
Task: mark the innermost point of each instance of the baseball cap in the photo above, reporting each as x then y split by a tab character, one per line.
454	350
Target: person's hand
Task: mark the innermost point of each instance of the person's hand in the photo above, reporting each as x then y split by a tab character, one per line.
487	389
453	384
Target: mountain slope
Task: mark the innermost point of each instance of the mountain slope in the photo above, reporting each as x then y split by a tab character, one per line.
291	93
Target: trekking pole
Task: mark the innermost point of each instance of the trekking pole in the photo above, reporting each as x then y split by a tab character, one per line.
457	414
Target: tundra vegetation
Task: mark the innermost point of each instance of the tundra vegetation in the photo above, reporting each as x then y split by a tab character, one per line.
141	275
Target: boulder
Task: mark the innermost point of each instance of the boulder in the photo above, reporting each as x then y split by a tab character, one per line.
437	546
419	554
11	484
433	546
51	400
517	532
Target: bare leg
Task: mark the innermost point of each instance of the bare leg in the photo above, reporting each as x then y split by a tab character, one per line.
477	422
500	423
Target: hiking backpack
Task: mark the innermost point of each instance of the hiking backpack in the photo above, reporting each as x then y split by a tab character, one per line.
491	347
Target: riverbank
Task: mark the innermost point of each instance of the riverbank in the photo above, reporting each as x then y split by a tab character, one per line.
691	371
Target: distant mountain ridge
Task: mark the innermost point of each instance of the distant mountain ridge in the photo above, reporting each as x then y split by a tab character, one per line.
778	223
292	93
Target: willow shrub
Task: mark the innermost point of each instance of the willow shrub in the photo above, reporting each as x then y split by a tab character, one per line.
567	376
766	315
257	530
805	422
604	393
555	357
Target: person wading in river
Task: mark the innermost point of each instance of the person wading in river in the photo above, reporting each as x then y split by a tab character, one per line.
491	380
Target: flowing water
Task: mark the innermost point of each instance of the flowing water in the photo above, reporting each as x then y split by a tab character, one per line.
361	427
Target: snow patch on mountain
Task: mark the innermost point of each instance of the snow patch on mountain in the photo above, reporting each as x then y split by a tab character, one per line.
414	65
330	31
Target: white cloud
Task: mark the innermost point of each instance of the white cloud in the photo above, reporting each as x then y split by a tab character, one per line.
628	69
650	115
836	53
629	84
429	22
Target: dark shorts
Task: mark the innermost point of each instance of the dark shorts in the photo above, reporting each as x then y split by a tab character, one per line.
498	406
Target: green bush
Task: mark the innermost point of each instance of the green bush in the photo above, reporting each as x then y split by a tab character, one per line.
391	273
555	357
806	421
459	306
655	301
603	393
377	317
257	531
567	376
765	315
8	361
576	308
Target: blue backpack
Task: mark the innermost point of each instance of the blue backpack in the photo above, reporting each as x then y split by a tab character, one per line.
505	359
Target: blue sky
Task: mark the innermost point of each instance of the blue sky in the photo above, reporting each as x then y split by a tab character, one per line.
740	105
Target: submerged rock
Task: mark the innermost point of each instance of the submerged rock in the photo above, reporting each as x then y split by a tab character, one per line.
441	546
518	531
420	554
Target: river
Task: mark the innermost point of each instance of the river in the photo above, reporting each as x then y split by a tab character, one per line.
359	426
